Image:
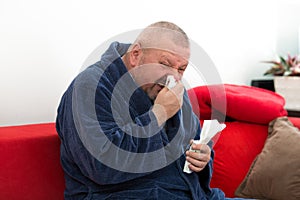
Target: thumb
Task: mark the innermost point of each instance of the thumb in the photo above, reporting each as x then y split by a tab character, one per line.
164	90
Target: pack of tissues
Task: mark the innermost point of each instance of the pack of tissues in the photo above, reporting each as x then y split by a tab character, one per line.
209	130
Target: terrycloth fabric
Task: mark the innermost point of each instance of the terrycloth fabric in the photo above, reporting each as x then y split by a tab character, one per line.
88	175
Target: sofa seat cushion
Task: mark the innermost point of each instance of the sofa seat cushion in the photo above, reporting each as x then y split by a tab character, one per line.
235	149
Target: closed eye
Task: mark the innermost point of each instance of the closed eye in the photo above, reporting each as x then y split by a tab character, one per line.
165	64
181	69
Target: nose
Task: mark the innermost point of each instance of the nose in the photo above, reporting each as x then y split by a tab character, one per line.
179	77
175	72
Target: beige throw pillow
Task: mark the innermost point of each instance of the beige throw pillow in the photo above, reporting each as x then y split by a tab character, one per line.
275	173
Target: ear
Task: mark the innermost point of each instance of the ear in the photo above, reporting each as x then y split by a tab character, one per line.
135	54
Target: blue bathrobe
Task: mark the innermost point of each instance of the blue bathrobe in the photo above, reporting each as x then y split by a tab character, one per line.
96	104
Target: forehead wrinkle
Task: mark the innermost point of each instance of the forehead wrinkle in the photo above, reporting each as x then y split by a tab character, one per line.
169	46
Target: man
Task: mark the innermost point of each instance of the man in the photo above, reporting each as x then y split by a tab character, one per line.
124	134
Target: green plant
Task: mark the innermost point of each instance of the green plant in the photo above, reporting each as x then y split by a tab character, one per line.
289	66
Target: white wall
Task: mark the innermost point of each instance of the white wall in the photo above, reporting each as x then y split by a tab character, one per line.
288	27
43	44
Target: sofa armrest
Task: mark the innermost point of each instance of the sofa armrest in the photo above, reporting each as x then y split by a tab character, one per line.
30	163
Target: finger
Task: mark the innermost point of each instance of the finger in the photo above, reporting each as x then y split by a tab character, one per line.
199	156
178	88
203	148
196	162
164	90
194	168
196	165
191	142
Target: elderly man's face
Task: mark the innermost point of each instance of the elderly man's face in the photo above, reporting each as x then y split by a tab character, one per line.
155	65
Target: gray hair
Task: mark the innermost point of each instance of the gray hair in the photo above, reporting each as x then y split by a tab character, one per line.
156	33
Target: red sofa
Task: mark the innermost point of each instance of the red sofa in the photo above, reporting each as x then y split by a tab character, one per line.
30	165
247	112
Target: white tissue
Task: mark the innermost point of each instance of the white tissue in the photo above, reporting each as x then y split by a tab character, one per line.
171	82
209	130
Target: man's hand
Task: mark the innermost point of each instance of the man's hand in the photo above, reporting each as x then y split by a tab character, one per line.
168	102
200	158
